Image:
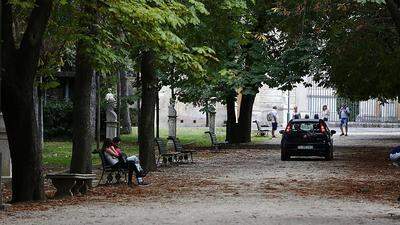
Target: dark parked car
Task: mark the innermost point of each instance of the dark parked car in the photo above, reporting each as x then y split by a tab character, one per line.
307	137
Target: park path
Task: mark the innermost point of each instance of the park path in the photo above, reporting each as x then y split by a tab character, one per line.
244	187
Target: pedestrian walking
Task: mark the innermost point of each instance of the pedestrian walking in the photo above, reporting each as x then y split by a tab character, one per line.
344	113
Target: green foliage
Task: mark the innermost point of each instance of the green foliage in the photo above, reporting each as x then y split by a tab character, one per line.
57	117
358	51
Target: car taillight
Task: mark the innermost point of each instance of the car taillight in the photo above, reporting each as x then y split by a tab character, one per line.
288	128
322	128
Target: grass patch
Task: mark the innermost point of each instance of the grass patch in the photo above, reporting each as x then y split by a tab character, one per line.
58	153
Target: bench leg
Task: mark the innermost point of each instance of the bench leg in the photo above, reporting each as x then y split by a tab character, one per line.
101	177
63	187
81	187
110	178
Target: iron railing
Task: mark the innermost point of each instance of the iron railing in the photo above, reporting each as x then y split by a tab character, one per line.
360	111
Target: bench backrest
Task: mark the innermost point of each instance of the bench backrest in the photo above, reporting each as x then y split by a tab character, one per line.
213	137
104	163
162	148
177	144
258	124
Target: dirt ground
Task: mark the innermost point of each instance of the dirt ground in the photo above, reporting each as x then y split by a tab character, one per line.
240	187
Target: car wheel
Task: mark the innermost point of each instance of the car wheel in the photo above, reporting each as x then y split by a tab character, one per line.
284	155
329	156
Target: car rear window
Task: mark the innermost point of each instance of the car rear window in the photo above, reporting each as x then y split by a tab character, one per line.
306	127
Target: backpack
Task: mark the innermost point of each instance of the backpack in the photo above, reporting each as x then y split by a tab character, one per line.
270	116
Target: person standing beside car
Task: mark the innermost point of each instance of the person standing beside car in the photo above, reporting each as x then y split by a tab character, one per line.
344	113
295	113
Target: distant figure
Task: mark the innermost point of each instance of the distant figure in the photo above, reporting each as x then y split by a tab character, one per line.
307	116
344	113
325	113
395	156
316	116
295	113
273	117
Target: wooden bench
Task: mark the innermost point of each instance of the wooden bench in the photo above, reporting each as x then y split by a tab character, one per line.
167	157
111	171
214	142
187	154
261	129
70	184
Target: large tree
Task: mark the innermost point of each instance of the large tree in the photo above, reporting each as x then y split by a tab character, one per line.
84	99
19	65
253	47
154	40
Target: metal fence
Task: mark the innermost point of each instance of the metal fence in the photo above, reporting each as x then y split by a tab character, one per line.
363	111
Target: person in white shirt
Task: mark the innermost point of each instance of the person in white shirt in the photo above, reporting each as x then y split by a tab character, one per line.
274	123
325	113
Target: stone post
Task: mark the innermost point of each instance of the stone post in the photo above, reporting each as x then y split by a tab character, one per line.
2	205
1	183
111	117
5	151
172	115
211	122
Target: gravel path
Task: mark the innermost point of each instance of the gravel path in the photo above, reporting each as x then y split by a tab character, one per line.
251	210
244	187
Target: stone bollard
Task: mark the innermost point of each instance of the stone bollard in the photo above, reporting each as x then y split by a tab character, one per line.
212	122
172	115
2	205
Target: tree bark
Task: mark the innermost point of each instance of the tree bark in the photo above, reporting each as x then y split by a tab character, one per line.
146	123
231	125
17	99
125	112
84	99
246	112
84	105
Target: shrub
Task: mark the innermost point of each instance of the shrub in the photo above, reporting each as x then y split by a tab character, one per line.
57	119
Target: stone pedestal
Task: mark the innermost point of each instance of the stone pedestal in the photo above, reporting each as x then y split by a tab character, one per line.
111	117
211	122
5	151
172	120
111	129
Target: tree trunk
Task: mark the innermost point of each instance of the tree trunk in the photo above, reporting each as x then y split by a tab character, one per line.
231	125
146	123
125	112
239	132
84	108
246	111
17	100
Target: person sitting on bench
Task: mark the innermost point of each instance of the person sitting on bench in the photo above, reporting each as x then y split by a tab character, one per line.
116	141
116	158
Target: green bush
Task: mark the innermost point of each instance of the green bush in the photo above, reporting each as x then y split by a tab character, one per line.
57	119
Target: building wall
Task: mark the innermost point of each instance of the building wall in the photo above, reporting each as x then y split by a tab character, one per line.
308	100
